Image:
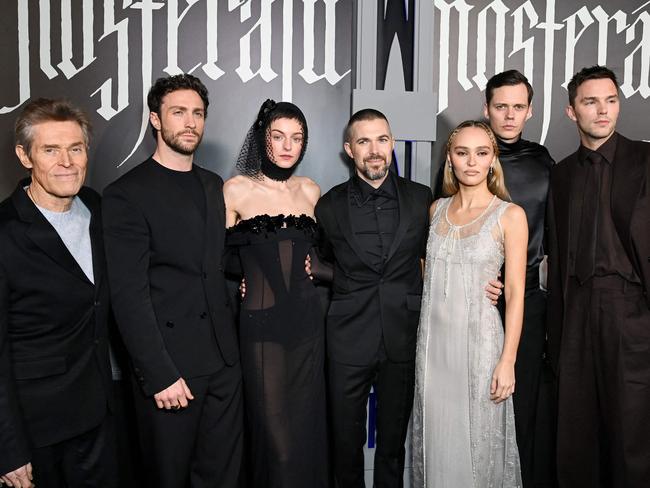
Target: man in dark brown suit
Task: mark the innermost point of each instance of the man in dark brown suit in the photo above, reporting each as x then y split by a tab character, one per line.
599	310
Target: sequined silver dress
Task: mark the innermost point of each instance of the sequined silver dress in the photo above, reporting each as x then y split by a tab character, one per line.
460	438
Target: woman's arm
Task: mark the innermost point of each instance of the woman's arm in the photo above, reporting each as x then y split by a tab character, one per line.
515	236
234	191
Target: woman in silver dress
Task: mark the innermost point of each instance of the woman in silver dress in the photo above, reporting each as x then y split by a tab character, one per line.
464	434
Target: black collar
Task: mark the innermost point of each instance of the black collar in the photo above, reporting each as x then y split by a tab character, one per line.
607	151
362	191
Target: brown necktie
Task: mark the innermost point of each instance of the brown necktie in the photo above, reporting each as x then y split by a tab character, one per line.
586	251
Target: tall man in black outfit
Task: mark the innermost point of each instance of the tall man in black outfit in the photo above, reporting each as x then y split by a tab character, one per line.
55	377
165	231
599	306
526	167
374	230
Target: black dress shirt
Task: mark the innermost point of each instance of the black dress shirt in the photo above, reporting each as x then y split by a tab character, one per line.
374	214
611	257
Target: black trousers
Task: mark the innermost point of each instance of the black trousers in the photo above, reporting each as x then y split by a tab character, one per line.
199	446
604	386
535	452
84	461
349	388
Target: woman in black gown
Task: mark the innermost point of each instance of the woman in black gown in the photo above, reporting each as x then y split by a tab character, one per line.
269	212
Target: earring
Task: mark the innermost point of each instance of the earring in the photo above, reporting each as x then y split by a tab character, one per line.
491	170
451	170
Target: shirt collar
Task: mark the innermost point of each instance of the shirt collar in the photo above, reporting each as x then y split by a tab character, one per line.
607	151
362	191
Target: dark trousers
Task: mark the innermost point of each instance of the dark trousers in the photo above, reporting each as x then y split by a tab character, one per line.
129	462
349	388
604	387
84	461
199	446
534	452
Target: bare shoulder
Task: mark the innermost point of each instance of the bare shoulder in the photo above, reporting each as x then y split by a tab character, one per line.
514	217
432	208
310	187
236	185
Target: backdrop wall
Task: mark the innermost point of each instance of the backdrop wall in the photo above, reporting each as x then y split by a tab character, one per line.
425	62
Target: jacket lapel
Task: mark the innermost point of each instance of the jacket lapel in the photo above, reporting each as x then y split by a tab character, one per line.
43	235
215	219
96	239
627	178
341	204
404	216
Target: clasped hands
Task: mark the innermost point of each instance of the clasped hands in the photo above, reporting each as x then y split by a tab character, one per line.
19	478
175	396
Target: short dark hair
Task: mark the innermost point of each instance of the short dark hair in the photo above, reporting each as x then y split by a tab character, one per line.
169	84
511	77
361	115
585	74
44	110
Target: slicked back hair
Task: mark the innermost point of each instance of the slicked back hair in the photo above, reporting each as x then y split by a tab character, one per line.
496	181
507	78
44	110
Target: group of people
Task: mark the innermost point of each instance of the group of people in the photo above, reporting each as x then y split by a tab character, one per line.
436	305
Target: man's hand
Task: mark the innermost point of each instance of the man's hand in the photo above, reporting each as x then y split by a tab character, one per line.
175	396
494	289
308	267
19	478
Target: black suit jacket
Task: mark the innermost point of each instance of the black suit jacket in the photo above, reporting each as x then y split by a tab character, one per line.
367	301
631	214
165	270
55	373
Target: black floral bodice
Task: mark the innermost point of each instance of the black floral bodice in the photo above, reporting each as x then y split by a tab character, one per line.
272	252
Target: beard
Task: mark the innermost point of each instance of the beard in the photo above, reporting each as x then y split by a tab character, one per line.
374	174
175	141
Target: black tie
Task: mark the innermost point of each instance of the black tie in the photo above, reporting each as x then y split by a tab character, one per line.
586	252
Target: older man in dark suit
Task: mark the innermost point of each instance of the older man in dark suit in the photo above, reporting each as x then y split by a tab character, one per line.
55	378
599	309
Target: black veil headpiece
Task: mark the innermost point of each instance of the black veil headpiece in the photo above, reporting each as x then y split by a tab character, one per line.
254	157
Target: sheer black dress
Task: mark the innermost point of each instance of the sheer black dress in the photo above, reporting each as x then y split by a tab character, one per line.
282	352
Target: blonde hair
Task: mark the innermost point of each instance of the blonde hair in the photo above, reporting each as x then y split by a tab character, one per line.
495	183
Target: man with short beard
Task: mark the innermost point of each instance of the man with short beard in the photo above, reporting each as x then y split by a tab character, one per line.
164	231
374	231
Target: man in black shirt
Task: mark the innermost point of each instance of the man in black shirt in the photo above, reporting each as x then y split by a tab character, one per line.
165	232
526	167
599	309
374	229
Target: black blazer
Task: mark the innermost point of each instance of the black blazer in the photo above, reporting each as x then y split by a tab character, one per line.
630	212
55	377
165	270
367	301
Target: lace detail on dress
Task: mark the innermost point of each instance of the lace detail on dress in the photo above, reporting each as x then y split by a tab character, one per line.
271	223
460	438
